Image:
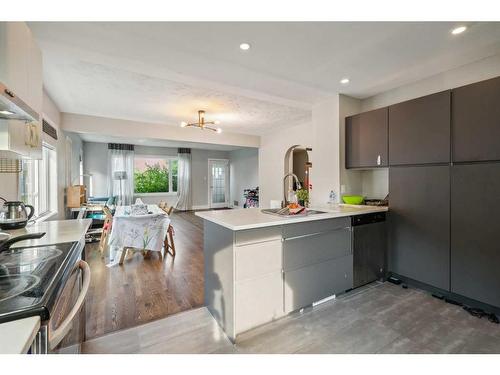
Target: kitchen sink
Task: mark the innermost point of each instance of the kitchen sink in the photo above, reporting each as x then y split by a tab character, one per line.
277	212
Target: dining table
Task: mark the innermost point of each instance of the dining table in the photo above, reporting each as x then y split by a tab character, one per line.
145	231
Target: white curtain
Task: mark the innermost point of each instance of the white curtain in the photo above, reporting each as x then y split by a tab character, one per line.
184	201
121	175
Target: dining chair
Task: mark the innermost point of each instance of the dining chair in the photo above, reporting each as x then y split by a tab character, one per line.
169	244
106	229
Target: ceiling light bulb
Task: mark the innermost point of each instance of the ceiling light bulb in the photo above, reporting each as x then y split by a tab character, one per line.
216	122
244	46
183	124
219	130
458	30
344	81
5	112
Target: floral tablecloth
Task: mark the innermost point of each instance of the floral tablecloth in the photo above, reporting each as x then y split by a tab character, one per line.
139	231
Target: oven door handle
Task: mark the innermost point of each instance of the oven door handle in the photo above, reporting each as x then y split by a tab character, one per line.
58	334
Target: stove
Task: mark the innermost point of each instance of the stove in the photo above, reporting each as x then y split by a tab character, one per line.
31	279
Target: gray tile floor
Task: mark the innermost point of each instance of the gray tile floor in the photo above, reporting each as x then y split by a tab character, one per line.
378	318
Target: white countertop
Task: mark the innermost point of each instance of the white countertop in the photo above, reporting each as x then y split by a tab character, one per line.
250	218
57	231
16	336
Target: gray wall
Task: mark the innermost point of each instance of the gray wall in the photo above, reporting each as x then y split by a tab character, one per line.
200	174
95	163
244	173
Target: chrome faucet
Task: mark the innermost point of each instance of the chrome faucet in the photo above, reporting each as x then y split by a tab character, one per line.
297	183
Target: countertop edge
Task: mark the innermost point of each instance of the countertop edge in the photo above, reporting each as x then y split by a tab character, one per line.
17	335
62	236
284	221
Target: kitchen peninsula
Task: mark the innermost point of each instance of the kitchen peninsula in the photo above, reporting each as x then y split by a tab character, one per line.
260	267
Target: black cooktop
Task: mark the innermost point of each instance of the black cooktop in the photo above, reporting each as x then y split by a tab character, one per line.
30	279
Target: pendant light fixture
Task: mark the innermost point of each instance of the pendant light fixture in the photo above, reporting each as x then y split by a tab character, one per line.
202	124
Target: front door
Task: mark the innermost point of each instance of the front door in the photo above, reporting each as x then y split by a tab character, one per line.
218	184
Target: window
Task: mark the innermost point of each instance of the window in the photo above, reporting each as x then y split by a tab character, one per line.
155	174
38	182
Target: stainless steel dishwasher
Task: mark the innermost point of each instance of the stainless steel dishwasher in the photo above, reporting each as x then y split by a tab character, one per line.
369	244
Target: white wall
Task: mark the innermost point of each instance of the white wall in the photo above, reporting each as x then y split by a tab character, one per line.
76	154
243	174
325	155
9	186
273	147
52	115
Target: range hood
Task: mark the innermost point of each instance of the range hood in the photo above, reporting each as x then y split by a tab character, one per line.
13	108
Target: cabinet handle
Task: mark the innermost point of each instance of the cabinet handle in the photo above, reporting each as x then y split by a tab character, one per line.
36	138
32	135
378	160
27	135
314	234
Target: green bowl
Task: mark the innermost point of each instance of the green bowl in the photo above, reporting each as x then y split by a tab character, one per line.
353	199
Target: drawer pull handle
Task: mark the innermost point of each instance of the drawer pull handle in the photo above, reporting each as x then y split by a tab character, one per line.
315	234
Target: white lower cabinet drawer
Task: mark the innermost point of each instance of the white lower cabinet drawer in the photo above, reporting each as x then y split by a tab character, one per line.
258	301
257	259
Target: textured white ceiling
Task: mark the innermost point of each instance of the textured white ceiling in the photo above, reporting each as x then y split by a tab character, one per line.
102	90
164	72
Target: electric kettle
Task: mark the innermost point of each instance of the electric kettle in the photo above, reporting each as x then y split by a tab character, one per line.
14	214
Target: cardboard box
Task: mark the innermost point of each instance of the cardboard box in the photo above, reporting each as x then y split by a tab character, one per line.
76	196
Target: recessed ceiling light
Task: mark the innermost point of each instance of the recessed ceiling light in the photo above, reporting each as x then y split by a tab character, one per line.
244	46
4	112
458	30
219	130
344	81
183	124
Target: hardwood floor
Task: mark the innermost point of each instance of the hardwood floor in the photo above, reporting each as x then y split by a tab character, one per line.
144	290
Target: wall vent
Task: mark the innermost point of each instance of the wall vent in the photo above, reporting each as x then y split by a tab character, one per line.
49	129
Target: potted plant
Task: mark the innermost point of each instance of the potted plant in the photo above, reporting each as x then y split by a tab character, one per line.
303	197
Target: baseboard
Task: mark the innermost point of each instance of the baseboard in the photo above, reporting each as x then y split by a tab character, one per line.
202	207
448	294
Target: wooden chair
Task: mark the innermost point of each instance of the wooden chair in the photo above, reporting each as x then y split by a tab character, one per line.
132	250
106	229
169	244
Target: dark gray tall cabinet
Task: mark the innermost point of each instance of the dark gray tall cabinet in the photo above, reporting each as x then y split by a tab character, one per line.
419	224
419	130
476	121
444	188
419	189
475	231
366	139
